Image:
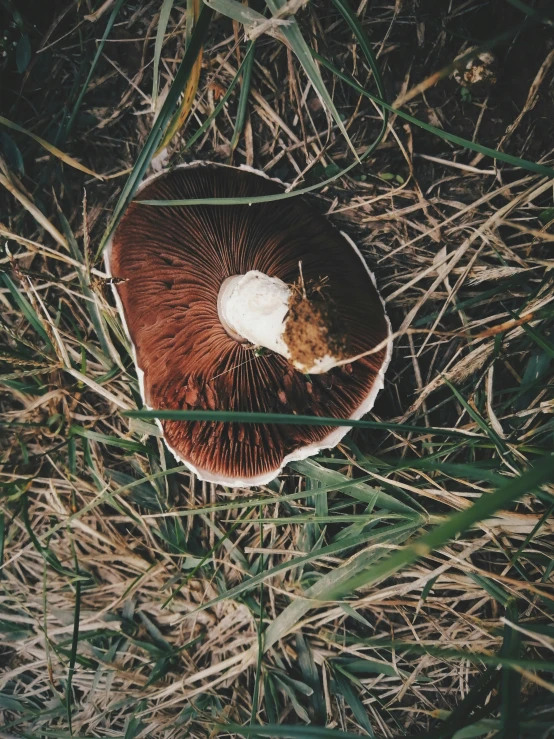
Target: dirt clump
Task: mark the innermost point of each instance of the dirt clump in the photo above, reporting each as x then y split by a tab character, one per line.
313	325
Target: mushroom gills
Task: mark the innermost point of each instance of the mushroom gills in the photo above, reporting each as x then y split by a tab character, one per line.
256	308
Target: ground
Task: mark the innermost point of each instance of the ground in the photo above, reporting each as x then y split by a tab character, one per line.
400	585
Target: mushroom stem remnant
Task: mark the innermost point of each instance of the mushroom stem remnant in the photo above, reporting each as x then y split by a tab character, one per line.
269	313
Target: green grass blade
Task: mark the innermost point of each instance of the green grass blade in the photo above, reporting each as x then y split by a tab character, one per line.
249	200
188	96
209	554
479	420
126	444
464	143
358	30
308	518
62	156
109	25
2	541
366	48
134	725
91	302
539	339
530	11
446	653
303	53
237	503
47	554
165	12
189	21
280	731
542	520
243	99
344	686
250	502
487	505
26	309
74	641
292	420
374	536
161	123
219	107
315	595
511	681
363	492
310	676
494	589
260	634
235	10
472	706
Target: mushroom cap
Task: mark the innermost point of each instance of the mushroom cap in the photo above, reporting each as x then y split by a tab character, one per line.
170	263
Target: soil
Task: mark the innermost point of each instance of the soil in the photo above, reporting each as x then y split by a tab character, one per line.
313	328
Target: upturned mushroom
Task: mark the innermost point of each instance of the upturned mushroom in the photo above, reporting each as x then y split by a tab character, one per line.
479	74
257	308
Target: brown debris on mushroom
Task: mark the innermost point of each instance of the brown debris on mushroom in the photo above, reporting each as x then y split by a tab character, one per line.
315	329
173	262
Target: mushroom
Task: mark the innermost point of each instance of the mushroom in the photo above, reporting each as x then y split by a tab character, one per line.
262	307
478	74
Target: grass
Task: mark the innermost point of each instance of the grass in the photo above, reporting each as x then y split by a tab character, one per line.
399	585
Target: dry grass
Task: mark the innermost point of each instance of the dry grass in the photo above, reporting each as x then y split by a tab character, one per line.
462	251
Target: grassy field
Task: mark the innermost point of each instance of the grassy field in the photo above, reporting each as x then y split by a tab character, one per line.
401	585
